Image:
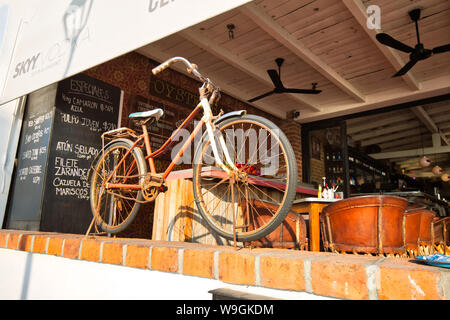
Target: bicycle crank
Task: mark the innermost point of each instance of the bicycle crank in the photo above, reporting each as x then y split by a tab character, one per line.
152	185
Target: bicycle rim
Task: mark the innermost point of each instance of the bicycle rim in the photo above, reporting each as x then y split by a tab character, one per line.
114	209
255	205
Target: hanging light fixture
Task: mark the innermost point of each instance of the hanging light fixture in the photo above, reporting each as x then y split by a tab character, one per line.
437	170
424	162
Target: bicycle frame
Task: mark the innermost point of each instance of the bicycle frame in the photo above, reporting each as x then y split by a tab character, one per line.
206	120
117	171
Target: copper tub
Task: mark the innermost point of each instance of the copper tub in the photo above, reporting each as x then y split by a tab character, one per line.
419	235
412	229
426	227
441	235
290	234
366	224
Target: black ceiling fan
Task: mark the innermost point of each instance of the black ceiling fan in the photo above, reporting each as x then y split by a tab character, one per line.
418	52
279	87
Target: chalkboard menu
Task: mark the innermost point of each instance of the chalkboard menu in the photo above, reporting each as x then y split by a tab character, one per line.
29	177
83	108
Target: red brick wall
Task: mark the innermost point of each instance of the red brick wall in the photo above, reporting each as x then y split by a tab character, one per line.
345	276
292	130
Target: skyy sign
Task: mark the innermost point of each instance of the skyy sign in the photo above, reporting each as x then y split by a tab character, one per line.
57	39
24	66
49	57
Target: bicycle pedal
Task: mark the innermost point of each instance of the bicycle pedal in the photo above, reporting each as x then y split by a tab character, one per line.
163	188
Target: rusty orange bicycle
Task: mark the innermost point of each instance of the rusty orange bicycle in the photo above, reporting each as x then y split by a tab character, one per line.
244	169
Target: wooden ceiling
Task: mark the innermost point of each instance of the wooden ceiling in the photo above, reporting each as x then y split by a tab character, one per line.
327	42
323	41
406	135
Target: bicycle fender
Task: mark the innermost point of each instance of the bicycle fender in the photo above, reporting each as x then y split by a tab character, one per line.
231	114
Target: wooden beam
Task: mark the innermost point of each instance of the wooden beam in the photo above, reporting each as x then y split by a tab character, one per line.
237	62
409	162
443	120
444	138
402	126
380	122
423	116
269	25
410	153
154	52
401	142
386	98
358	10
380	139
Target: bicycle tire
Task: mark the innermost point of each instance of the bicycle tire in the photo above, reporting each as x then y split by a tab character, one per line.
111	226
289	193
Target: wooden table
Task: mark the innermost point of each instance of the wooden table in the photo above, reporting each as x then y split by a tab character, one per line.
313	207
176	217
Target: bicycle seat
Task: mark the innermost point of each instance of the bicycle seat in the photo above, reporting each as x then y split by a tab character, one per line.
155	113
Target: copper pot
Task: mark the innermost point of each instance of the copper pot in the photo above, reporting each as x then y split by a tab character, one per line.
367	224
441	234
419	229
445	177
291	234
426	229
412	228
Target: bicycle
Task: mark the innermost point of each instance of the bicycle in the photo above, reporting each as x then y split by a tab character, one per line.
240	198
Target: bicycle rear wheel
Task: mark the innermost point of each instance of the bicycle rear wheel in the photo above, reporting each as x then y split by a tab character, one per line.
115	209
253	202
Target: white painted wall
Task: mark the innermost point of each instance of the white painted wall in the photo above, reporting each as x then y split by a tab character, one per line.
46	41
25	275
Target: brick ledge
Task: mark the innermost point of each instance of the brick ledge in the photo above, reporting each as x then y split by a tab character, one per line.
327	274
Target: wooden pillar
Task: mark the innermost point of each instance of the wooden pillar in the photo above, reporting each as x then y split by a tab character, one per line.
344	147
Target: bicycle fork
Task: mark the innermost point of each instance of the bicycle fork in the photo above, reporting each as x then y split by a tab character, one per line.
230	167
207	119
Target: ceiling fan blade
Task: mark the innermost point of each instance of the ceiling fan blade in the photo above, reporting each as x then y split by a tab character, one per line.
441	49
304	91
391	42
273	74
262	96
406	68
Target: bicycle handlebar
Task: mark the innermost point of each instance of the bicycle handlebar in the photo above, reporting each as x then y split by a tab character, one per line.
192	68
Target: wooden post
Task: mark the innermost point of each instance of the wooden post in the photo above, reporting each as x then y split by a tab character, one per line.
344	147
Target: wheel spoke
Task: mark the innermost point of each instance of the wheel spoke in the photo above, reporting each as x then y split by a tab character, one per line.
259	201
114	207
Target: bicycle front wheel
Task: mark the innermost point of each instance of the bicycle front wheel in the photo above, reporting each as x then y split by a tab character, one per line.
250	203
115	209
